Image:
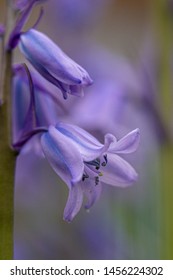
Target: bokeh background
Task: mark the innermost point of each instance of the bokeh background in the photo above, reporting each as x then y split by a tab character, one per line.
126	46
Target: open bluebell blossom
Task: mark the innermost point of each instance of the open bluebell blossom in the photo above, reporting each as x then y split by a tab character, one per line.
53	64
83	162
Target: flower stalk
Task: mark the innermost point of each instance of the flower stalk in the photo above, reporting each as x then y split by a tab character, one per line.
164	26
7	156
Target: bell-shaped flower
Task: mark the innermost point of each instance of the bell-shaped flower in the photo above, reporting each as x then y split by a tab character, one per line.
53	64
83	162
31	103
24	119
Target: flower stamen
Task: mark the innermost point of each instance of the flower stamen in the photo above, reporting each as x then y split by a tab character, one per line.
85	176
104	163
95	162
96	180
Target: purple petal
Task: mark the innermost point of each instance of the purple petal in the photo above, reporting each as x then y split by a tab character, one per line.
89	147
118	172
29	99
24	114
21	103
77	132
47	53
76	90
62	155
64	88
128	144
33	146
74	202
91	191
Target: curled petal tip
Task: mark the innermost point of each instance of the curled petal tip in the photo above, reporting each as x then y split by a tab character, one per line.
91	81
128	144
67	219
137	132
109	139
133	178
87	81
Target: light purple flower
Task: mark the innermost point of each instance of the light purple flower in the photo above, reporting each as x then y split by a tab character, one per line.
83	162
23	105
2	30
35	105
53	64
76	13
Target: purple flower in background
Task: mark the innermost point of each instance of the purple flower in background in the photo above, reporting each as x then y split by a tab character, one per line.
76	13
53	64
83	162
2	29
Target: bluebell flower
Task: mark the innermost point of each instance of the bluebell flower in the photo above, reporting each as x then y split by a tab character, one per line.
20	4
53	64
31	100
82	162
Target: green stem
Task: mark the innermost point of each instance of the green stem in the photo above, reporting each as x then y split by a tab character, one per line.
7	165
164	23
167	194
7	158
